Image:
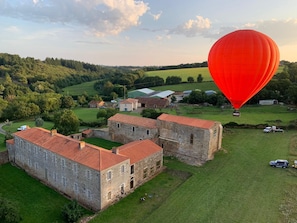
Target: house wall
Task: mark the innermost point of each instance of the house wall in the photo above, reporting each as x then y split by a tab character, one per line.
145	169
115	183
3	157
124	133
189	144
126	107
70	178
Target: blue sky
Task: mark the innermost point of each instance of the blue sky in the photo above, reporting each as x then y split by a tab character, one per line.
140	33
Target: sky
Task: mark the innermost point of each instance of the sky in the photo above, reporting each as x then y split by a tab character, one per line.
139	33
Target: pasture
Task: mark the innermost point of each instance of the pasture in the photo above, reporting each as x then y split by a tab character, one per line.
237	186
183	73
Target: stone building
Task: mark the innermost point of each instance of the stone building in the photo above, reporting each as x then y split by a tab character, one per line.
129	104
93	176
127	128
191	140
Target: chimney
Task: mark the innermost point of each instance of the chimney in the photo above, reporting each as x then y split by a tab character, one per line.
53	132
82	144
115	150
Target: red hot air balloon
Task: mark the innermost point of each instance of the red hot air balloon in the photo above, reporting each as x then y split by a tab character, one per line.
241	63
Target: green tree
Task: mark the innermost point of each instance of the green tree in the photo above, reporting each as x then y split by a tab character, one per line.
190	79
39	122
199	78
67	101
150	113
66	122
82	101
9	211
72	212
197	97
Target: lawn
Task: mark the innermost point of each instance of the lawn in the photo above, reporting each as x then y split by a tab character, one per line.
237	186
80	89
106	144
12	127
37	202
2	143
204	86
86	114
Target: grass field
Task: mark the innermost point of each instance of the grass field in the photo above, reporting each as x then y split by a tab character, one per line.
80	89
102	143
237	186
37	203
183	73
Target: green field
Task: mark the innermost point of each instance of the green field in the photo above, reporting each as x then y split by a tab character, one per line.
183	73
87	87
237	186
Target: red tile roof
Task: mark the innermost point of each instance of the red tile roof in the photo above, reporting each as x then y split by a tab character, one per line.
195	122
129	101
91	156
139	150
134	120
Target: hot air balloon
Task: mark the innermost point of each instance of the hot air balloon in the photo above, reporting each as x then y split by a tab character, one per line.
241	63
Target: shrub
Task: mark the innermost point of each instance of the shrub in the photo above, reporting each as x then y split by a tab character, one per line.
72	212
9	211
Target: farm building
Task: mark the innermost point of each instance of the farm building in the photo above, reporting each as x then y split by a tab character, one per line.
268	102
193	141
127	128
144	92
96	104
163	94
129	104
153	102
93	176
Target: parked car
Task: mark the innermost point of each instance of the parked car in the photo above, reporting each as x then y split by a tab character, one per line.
279	163
272	129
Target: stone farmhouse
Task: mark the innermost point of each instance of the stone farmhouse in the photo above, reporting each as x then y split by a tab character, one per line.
191	140
93	176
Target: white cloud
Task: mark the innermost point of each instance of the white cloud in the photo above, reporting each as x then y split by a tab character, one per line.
103	17
193	27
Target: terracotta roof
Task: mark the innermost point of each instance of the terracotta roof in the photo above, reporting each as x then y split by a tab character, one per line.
129	101
134	120
195	122
138	150
92	156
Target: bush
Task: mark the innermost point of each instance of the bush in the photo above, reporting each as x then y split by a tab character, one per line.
9	211
72	212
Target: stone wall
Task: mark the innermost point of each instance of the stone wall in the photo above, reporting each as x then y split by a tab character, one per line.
3	157
101	133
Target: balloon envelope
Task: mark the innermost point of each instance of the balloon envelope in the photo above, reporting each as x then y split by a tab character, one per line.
241	63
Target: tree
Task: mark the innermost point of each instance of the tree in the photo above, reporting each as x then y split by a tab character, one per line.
39	122
67	101
150	113
81	100
190	79
9	211
104	114
72	212
199	78
197	97
66	122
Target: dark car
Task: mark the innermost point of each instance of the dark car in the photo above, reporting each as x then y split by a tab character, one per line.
279	163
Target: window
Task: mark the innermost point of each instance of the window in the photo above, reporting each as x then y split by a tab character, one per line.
89	175
147	132
123	169
191	138
133	129
214	132
89	194
109	195
75	187
75	168
158	164
63	163
64	181
108	175
118	125
132	169
144	173
152	170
